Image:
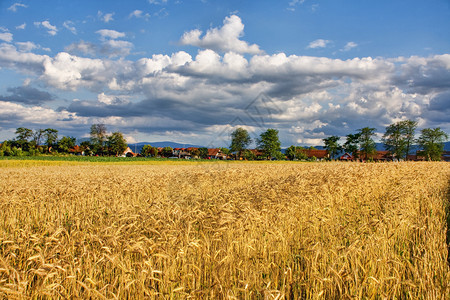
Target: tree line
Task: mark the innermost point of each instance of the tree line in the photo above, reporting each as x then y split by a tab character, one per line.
397	139
30	142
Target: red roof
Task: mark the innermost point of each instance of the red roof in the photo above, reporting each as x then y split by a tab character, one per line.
213	151
316	153
75	149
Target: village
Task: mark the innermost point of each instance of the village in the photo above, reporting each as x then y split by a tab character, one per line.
309	155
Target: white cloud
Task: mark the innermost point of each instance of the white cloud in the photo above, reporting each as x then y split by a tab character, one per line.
112	34
222	39
315	96
139	14
26	46
22	26
294	3
6	36
157	2
108	17
52	30
15	6
116	48
349	46
82	47
320	43
69	26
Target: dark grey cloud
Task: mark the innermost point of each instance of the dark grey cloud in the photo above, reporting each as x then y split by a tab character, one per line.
27	95
441	103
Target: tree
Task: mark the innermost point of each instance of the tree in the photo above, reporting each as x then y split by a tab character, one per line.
296	152
98	138
269	143
116	143
23	134
399	137
332	146
351	144
366	142
38	135
167	152
148	150
86	147
51	137
432	141
225	151
409	128
21	141
203	152
66	143
240	139
394	140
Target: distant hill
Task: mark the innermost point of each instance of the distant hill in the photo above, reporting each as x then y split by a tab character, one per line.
137	147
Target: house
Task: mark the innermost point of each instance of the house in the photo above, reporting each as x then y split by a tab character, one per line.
346	157
318	154
382	156
128	153
181	152
216	153
76	150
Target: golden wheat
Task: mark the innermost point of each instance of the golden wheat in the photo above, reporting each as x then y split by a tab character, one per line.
234	230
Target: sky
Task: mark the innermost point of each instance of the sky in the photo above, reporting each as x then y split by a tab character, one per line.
193	71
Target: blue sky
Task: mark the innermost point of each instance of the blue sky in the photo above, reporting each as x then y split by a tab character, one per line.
192	71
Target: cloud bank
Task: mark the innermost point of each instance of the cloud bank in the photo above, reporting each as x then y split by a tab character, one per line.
201	98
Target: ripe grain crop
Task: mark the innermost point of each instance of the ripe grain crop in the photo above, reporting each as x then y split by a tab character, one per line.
238	231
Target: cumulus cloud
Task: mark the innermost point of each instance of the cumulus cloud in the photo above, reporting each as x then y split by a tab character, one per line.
112	34
26	46
6	36
82	47
26	95
16	5
224	39
52	30
320	43
307	98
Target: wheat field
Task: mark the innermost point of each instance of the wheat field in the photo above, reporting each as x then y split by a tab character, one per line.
225	231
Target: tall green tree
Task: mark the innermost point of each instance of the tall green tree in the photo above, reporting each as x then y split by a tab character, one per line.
240	139
23	134
269	143
148	150
65	144
432	142
38	135
394	140
409	128
22	138
51	137
203	152
98	138
351	144
366	142
399	137
296	152
116	143
167	152
332	145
